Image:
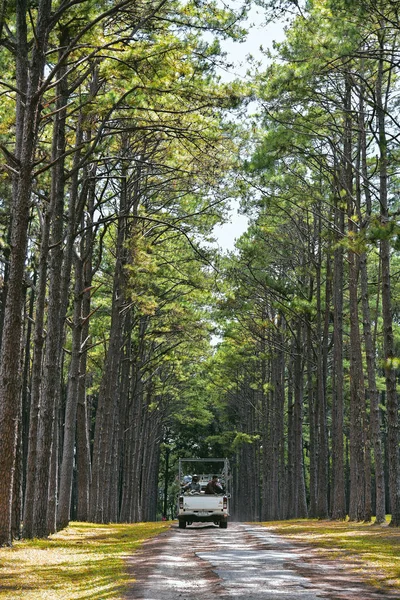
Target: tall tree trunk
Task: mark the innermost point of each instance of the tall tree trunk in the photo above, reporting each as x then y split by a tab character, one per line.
291	496
130	440
274	449
50	390
82	433
67	464
338	507
280	417
357	401
17	483
357	392
107	404
322	444
370	431
167	453
51	524
373	394
68	456
27	378
28	109
38	345
388	338
83	463
311	415
300	487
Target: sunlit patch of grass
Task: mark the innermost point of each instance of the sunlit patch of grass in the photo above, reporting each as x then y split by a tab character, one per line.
85	561
375	547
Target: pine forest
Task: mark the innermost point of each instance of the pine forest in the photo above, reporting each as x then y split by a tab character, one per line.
129	337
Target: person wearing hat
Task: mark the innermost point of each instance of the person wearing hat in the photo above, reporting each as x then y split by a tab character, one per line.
193	486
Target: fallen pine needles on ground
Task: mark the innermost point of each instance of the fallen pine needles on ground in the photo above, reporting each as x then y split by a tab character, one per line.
376	548
83	561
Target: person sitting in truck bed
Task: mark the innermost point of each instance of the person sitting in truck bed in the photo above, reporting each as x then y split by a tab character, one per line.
193	486
214	486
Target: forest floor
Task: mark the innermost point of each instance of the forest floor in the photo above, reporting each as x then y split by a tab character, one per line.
85	561
290	560
254	562
375	548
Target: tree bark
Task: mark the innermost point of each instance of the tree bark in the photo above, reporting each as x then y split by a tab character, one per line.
311	418
357	392
67	463
300	488
322	443
50	389
338	506
388	338
106	415
82	433
36	378
28	109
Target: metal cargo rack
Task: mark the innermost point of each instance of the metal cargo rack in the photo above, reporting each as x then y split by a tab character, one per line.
199	466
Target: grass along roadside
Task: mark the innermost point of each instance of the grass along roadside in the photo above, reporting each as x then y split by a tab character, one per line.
375	547
84	561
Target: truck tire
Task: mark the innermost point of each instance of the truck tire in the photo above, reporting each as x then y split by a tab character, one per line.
182	524
223	524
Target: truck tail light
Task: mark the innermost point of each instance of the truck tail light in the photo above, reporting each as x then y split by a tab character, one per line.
181	502
225	502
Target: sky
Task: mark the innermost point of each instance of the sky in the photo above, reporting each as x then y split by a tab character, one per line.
263	35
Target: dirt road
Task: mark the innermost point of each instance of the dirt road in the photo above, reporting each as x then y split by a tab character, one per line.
243	562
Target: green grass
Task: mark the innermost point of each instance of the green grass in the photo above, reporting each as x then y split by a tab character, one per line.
85	561
376	548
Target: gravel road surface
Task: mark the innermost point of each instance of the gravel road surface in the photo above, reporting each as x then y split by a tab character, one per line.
243	562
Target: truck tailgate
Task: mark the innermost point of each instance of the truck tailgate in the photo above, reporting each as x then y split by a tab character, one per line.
206	503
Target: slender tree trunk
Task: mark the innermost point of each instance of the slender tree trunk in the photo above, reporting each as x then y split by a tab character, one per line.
373	394
105	430
51	513
126	421
300	488
130	437
150	489
50	391
83	468
388	338
16	515
274	452
357	392
27	378
36	379
280	417
311	419
372	429
338	507
357	402
82	433
67	464
291	497
322	460
265	472
166	481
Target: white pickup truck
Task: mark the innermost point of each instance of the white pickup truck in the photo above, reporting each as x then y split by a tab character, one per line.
197	506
